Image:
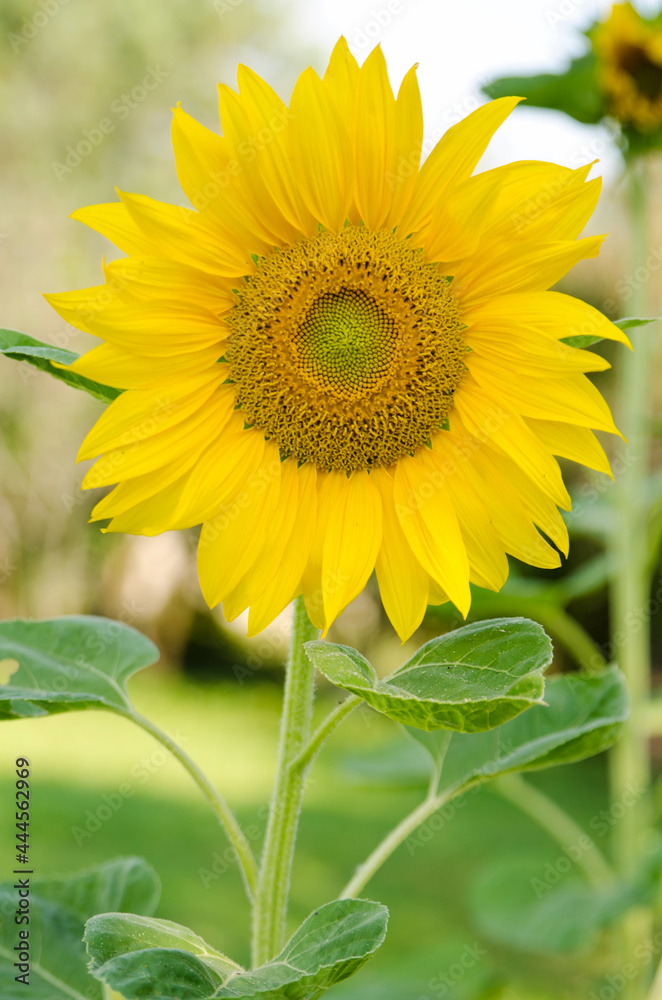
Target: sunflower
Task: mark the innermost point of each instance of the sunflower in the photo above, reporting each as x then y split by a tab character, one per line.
342	360
629	52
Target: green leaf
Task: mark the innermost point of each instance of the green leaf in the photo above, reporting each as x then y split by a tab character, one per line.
581	340
527	903
128	885
70	663
582	716
21	347
629	323
146	957
574	92
469	680
59	908
172	963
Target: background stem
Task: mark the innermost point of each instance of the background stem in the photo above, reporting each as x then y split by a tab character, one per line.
270	909
558	824
630	584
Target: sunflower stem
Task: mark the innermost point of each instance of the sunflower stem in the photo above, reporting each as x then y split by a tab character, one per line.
270	908
226	817
630	587
324	730
430	804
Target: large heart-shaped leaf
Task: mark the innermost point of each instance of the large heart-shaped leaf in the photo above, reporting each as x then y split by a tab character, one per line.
22	347
541	903
582	716
516	903
163	961
69	663
469	680
59	908
128	885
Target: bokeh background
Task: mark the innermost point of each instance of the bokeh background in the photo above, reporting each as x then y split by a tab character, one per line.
65	65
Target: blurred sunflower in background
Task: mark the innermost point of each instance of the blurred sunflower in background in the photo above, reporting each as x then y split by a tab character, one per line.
629	53
619	78
340	360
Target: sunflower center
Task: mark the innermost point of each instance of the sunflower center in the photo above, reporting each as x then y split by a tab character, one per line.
345	343
346	349
647	75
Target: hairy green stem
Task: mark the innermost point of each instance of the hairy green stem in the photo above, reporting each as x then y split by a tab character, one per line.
558	824
322	733
629	589
270	906
228	820
392	841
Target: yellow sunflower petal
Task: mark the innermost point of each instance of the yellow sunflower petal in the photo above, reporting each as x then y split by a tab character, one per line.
429	522
487	558
458	219
572	399
454	159
512	521
540	506
82	305
225	468
524	267
112	365
232	540
286	583
197	429
374	127
270	120
132	493
525	350
579	444
351	509
139	414
436	594
321	152
222	470
485	416
553	313
209	172
186	236
541	201
405	150
157	328
252	203
340	79
403	583
150	278
278	529
114	222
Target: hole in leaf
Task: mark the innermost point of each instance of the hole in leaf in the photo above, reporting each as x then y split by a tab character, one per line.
7	669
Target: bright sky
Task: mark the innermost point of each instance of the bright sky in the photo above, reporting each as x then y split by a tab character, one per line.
458	45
